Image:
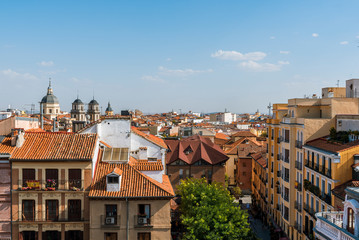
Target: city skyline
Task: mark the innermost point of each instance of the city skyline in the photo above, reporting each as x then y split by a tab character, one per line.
202	56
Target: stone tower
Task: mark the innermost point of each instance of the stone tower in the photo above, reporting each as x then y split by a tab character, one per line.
93	110
78	110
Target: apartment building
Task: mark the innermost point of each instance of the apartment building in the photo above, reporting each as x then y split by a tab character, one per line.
260	184
51	176
130	193
293	125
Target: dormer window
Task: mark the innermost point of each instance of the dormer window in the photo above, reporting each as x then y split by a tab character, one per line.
188	150
113	180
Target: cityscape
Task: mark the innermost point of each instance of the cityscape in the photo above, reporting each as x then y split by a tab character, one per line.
179	120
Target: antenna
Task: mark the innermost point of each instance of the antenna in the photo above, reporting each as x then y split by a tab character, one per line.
77	94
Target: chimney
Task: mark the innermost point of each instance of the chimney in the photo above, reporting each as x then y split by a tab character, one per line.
20	139
17	137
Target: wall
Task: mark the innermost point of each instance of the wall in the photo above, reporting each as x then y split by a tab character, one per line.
244	173
160	219
5	200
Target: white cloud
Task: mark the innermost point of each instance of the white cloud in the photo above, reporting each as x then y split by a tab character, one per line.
262	67
344	43
315	35
12	74
168	59
284	52
153	78
237	56
357	36
181	72
272	37
46	64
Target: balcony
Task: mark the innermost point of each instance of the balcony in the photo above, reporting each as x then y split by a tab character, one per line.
279	139
326	198
279	156
110	221
298	186
286	198
278	190
278	173
51	185
278	207
308	186
298	206
309	209
330	225
298	144
298	165
43	216
286	178
142	221
298	227
286	159
328	172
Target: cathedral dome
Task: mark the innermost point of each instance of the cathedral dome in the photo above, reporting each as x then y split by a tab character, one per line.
50	97
78	101
93	102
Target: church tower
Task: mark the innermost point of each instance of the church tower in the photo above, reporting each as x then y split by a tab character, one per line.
109	111
78	110
93	110
50	104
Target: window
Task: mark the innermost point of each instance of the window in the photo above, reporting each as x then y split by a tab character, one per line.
74	178
112	179
74	210
350	225
28	175
52	210
110	236
74	235
53	235
28	210
188	150
181	173
144	214
144	236
115	154
52	178
28	235
50	110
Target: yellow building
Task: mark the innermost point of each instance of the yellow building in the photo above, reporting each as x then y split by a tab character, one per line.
292	125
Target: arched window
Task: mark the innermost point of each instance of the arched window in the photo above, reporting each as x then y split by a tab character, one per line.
350	225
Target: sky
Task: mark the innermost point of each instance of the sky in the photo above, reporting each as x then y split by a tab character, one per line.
159	56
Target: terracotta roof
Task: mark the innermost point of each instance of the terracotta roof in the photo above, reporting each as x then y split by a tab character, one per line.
243	134
156	140
334	147
202	149
133	183
244	147
339	191
107	145
145	165
5	146
56	146
34	130
222	136
260	159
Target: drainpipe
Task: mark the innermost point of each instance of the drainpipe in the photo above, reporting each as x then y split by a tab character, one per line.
128	219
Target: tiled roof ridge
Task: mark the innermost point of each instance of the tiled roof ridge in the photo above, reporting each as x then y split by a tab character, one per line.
150	137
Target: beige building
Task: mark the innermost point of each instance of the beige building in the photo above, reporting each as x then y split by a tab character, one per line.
51	176
292	125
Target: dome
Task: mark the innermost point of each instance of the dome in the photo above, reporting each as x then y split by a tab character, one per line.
78	101
50	98
109	108
93	102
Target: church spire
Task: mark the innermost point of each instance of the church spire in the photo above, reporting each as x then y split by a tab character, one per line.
49	89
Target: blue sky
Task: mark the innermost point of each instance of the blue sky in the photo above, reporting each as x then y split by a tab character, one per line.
156	56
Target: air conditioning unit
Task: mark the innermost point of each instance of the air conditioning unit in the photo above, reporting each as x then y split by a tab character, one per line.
142	220
110	220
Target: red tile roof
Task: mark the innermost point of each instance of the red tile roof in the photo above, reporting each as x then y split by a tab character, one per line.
243	134
34	130
5	146
56	146
156	140
339	191
202	149
329	146
222	136
133	183
145	165
244	147
260	159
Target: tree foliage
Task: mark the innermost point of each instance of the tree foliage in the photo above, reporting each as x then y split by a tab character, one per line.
208	212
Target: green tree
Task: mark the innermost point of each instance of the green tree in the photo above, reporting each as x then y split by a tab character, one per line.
208	212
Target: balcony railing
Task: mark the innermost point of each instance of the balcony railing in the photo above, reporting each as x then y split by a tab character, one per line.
330	224
308	186
298	165
279	156
286	159
286	178
309	209
298	186
328	172
278	173
44	216
298	144
278	190
279	139
298	206
142	221
326	198
110	221
286	197
51	185
298	226
278	207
